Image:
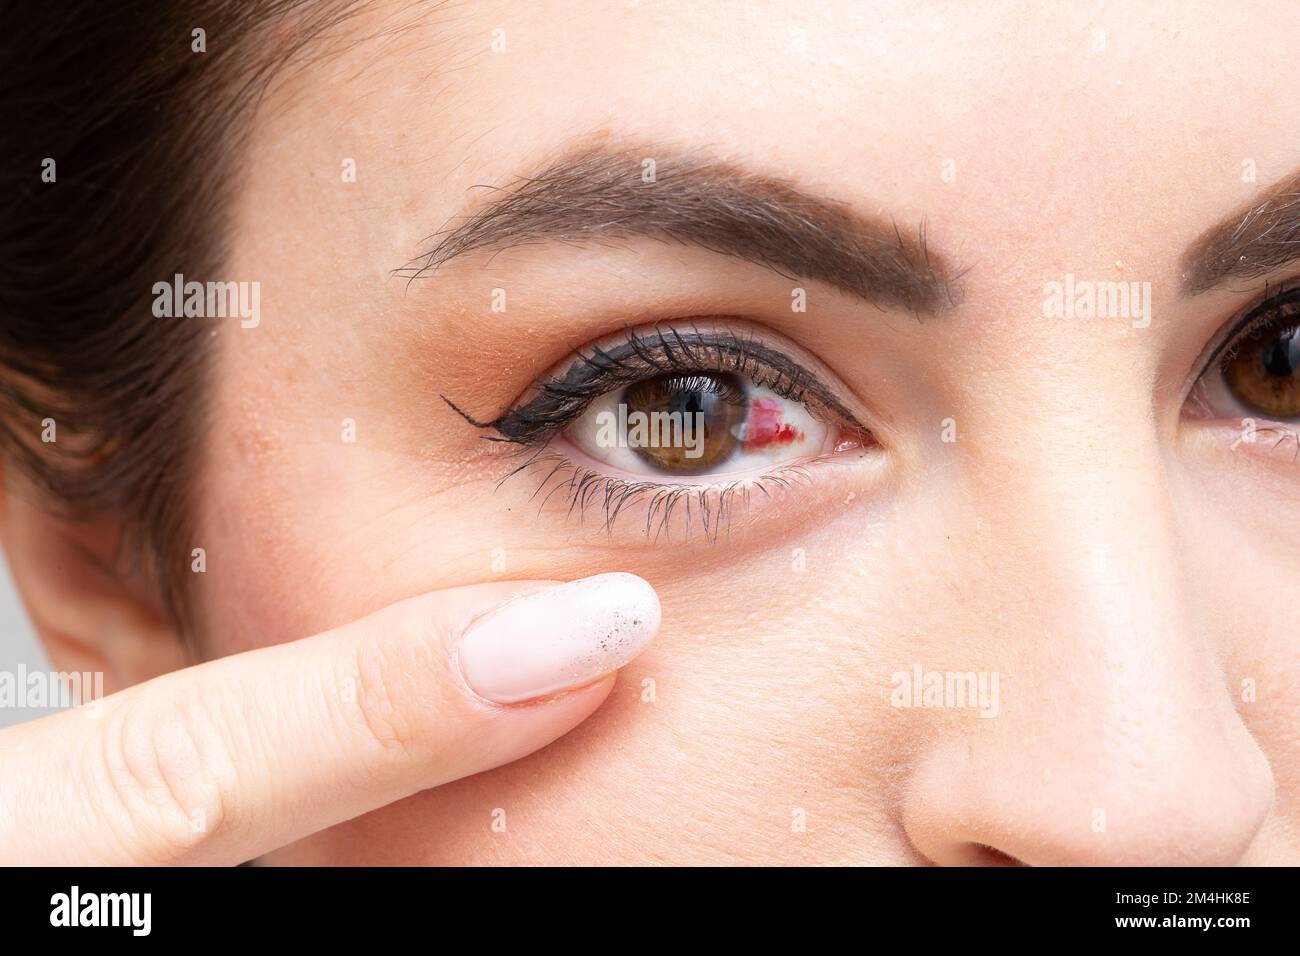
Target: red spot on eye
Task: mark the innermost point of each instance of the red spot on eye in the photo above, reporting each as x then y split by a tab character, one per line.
764	428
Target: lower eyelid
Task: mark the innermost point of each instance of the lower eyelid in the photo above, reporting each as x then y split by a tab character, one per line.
563	445
563	485
1271	446
673	511
564	482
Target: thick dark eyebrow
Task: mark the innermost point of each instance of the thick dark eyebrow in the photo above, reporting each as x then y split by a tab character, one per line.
1252	242
596	194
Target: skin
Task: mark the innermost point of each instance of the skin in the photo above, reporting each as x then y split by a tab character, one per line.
1120	565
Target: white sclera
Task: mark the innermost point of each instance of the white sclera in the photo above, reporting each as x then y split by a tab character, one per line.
597	434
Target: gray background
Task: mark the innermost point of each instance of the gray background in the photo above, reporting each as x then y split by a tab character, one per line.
18	645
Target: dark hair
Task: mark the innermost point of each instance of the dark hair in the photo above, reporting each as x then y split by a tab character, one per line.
143	129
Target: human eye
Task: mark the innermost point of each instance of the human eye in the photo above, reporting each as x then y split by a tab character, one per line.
1253	374
687	423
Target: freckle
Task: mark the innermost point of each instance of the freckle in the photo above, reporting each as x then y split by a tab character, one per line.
257	440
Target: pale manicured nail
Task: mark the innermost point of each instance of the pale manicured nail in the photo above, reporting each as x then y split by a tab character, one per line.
559	638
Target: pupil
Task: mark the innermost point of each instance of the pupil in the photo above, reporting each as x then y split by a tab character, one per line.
1281	355
690	399
687	424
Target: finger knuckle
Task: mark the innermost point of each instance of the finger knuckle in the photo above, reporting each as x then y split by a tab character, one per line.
376	706
165	792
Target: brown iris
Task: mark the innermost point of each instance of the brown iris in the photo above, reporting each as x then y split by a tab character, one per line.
1264	372
685	424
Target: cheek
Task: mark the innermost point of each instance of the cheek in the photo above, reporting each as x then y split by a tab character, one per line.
762	702
283	520
763	698
317	508
253	590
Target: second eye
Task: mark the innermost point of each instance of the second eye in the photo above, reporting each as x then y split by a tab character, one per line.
705	423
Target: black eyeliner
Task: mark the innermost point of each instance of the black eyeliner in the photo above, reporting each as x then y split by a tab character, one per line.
562	399
1257	317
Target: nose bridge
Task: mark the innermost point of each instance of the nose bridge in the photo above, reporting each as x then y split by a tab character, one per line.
1116	738
1078	501
1088	514
1091	523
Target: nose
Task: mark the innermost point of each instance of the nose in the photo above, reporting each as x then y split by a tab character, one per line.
1115	740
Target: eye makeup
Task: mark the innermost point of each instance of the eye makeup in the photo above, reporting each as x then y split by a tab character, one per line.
1254	371
1275	306
646	354
769	420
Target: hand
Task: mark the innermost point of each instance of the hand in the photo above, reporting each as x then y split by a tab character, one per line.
219	763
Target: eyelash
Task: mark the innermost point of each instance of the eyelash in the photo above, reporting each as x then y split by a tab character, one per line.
1266	313
712	505
563	399
1276	309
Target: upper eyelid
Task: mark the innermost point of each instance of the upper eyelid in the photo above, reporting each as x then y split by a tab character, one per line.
739	348
1253	315
600	369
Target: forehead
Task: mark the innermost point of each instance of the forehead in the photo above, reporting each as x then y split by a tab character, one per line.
1000	127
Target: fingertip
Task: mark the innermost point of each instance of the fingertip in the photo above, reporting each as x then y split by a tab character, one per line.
559	638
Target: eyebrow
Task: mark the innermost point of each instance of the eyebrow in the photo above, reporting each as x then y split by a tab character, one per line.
596	193
1251	242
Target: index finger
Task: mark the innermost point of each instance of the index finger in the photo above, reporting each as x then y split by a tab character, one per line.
221	762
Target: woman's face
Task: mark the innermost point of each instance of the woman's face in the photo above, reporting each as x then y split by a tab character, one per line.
979	488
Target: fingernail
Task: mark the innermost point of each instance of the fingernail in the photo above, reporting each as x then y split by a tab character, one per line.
559	638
